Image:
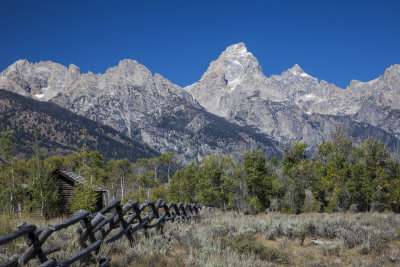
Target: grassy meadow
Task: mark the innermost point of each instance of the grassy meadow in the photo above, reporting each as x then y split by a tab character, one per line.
229	239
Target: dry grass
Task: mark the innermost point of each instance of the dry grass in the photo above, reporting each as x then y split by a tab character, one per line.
230	239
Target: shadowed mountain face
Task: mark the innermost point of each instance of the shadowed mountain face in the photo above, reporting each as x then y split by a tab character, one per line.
60	131
233	108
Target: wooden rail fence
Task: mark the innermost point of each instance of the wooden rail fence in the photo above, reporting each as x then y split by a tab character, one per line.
95	229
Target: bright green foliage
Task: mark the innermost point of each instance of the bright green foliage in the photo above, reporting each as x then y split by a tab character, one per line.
91	166
182	187
259	179
333	166
119	175
209	183
297	171
83	198
147	180
140	195
339	177
43	189
7	146
159	192
168	160
8	187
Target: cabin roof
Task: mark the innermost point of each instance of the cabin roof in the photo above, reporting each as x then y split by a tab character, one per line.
76	178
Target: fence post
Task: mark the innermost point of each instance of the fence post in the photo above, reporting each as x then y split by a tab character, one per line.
124	225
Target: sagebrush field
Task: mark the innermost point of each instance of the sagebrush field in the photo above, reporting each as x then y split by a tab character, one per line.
229	239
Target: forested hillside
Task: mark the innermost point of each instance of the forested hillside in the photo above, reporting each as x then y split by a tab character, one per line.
59	130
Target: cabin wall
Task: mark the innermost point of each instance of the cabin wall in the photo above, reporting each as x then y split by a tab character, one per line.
99	202
65	194
65	191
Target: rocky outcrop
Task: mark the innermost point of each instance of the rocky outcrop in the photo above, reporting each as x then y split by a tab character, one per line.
142	106
295	106
233	108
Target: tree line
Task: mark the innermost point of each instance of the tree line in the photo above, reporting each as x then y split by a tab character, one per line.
339	177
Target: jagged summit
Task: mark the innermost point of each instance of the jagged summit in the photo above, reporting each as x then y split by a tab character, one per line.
234	64
298	71
128	62
290	106
236	49
393	70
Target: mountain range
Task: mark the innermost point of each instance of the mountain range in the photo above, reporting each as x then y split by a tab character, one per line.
233	108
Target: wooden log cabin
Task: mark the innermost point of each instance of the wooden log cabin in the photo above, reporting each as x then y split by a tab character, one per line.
66	180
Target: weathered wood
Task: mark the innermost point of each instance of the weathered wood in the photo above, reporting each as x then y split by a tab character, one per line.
11	263
85	222
182	209
159	203
159	211
120	212
105	262
110	206
88	231
161	219
188	206
14	262
51	262
81	254
323	242
36	247
113	222
65	224
154	211
176	209
14	235
104	222
30	239
116	218
140	225
125	231
51	250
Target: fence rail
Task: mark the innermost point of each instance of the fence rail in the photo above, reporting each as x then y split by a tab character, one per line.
96	228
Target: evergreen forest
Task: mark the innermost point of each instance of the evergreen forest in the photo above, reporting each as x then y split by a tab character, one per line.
340	177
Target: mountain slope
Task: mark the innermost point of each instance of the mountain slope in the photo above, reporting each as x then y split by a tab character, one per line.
233	108
134	102
294	106
60	131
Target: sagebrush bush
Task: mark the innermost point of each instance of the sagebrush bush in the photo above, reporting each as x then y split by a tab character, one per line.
247	244
231	239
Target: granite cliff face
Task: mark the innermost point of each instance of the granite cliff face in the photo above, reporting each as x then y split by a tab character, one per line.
233	108
143	107
294	106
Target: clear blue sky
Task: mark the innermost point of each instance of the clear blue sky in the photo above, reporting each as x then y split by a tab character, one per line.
332	40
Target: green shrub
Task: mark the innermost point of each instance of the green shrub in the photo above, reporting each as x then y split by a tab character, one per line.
247	244
83	198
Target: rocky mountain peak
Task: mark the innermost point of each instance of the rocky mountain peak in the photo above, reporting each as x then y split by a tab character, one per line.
297	71
128	63
393	70
20	62
131	66
233	66
74	69
17	66
238	49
